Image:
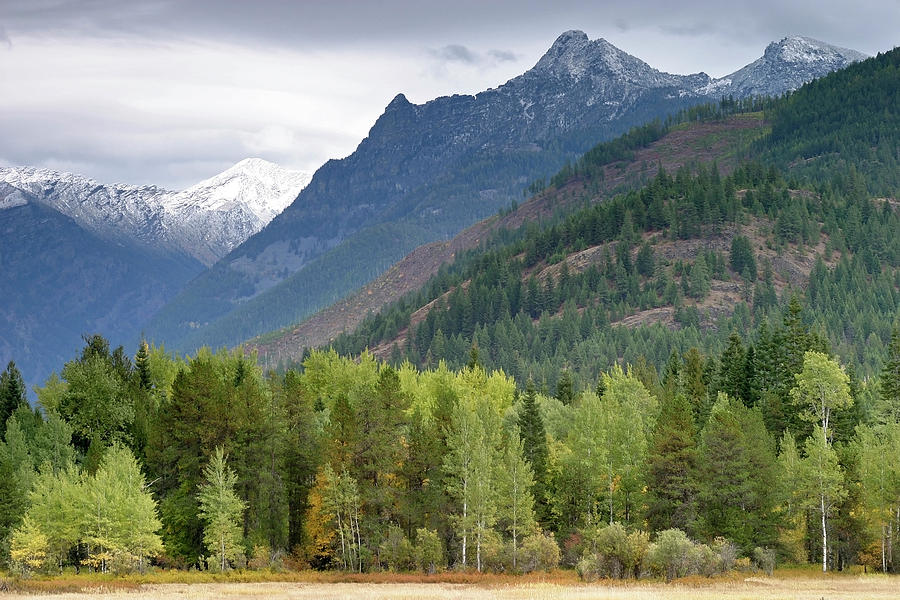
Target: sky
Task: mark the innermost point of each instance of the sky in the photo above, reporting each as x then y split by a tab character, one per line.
171	92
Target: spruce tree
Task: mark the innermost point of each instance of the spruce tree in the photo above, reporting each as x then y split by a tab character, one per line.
889	409
565	389
12	393
534	442
733	369
671	477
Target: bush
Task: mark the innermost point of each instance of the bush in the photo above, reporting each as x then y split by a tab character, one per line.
705	560
259	558
764	560
428	551
672	555
588	568
396	552
615	552
495	555
726	551
539	551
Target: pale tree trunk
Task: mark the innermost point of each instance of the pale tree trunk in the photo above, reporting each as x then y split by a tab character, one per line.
478	549
358	540
824	536
465	517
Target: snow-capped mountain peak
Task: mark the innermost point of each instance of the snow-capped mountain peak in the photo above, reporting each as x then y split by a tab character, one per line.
798	49
263	187
205	221
784	66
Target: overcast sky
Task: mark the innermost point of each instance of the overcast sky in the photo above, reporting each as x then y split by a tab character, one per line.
171	92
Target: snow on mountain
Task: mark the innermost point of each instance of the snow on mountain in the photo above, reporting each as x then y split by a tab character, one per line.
204	221
784	66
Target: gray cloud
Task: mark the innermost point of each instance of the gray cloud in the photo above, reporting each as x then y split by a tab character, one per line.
456	53
503	55
322	71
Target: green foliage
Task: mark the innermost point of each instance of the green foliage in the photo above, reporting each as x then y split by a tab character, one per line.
671	469
221	511
822	387
736	468
118	517
28	549
429	552
742	259
614	552
534	447
539	552
822	486
12	393
672	555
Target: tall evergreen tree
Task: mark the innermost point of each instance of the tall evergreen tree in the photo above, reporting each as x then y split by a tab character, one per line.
733	370
12	393
671	476
565	388
536	452
889	409
736	467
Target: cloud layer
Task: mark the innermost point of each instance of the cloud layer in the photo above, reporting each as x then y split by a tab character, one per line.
171	92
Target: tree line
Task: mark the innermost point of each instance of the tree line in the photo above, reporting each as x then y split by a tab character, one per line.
770	451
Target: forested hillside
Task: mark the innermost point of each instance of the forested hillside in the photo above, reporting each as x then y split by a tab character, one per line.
704	252
698	375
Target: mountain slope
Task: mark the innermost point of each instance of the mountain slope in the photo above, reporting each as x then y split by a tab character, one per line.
61	280
723	141
79	257
700	254
430	170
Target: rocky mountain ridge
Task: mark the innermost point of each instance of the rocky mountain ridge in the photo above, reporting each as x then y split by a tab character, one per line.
204	221
426	171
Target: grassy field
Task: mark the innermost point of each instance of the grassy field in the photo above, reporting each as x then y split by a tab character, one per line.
789	585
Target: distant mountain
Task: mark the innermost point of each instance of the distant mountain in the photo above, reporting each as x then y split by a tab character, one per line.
426	171
204	221
77	256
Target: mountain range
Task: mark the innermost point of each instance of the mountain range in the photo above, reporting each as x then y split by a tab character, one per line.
78	256
426	171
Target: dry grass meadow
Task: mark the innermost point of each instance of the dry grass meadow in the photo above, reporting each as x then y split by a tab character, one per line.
793	586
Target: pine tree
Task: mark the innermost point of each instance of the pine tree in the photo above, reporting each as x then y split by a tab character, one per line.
736	468
221	510
565	389
733	370
535	450
671	477
12	394
889	410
